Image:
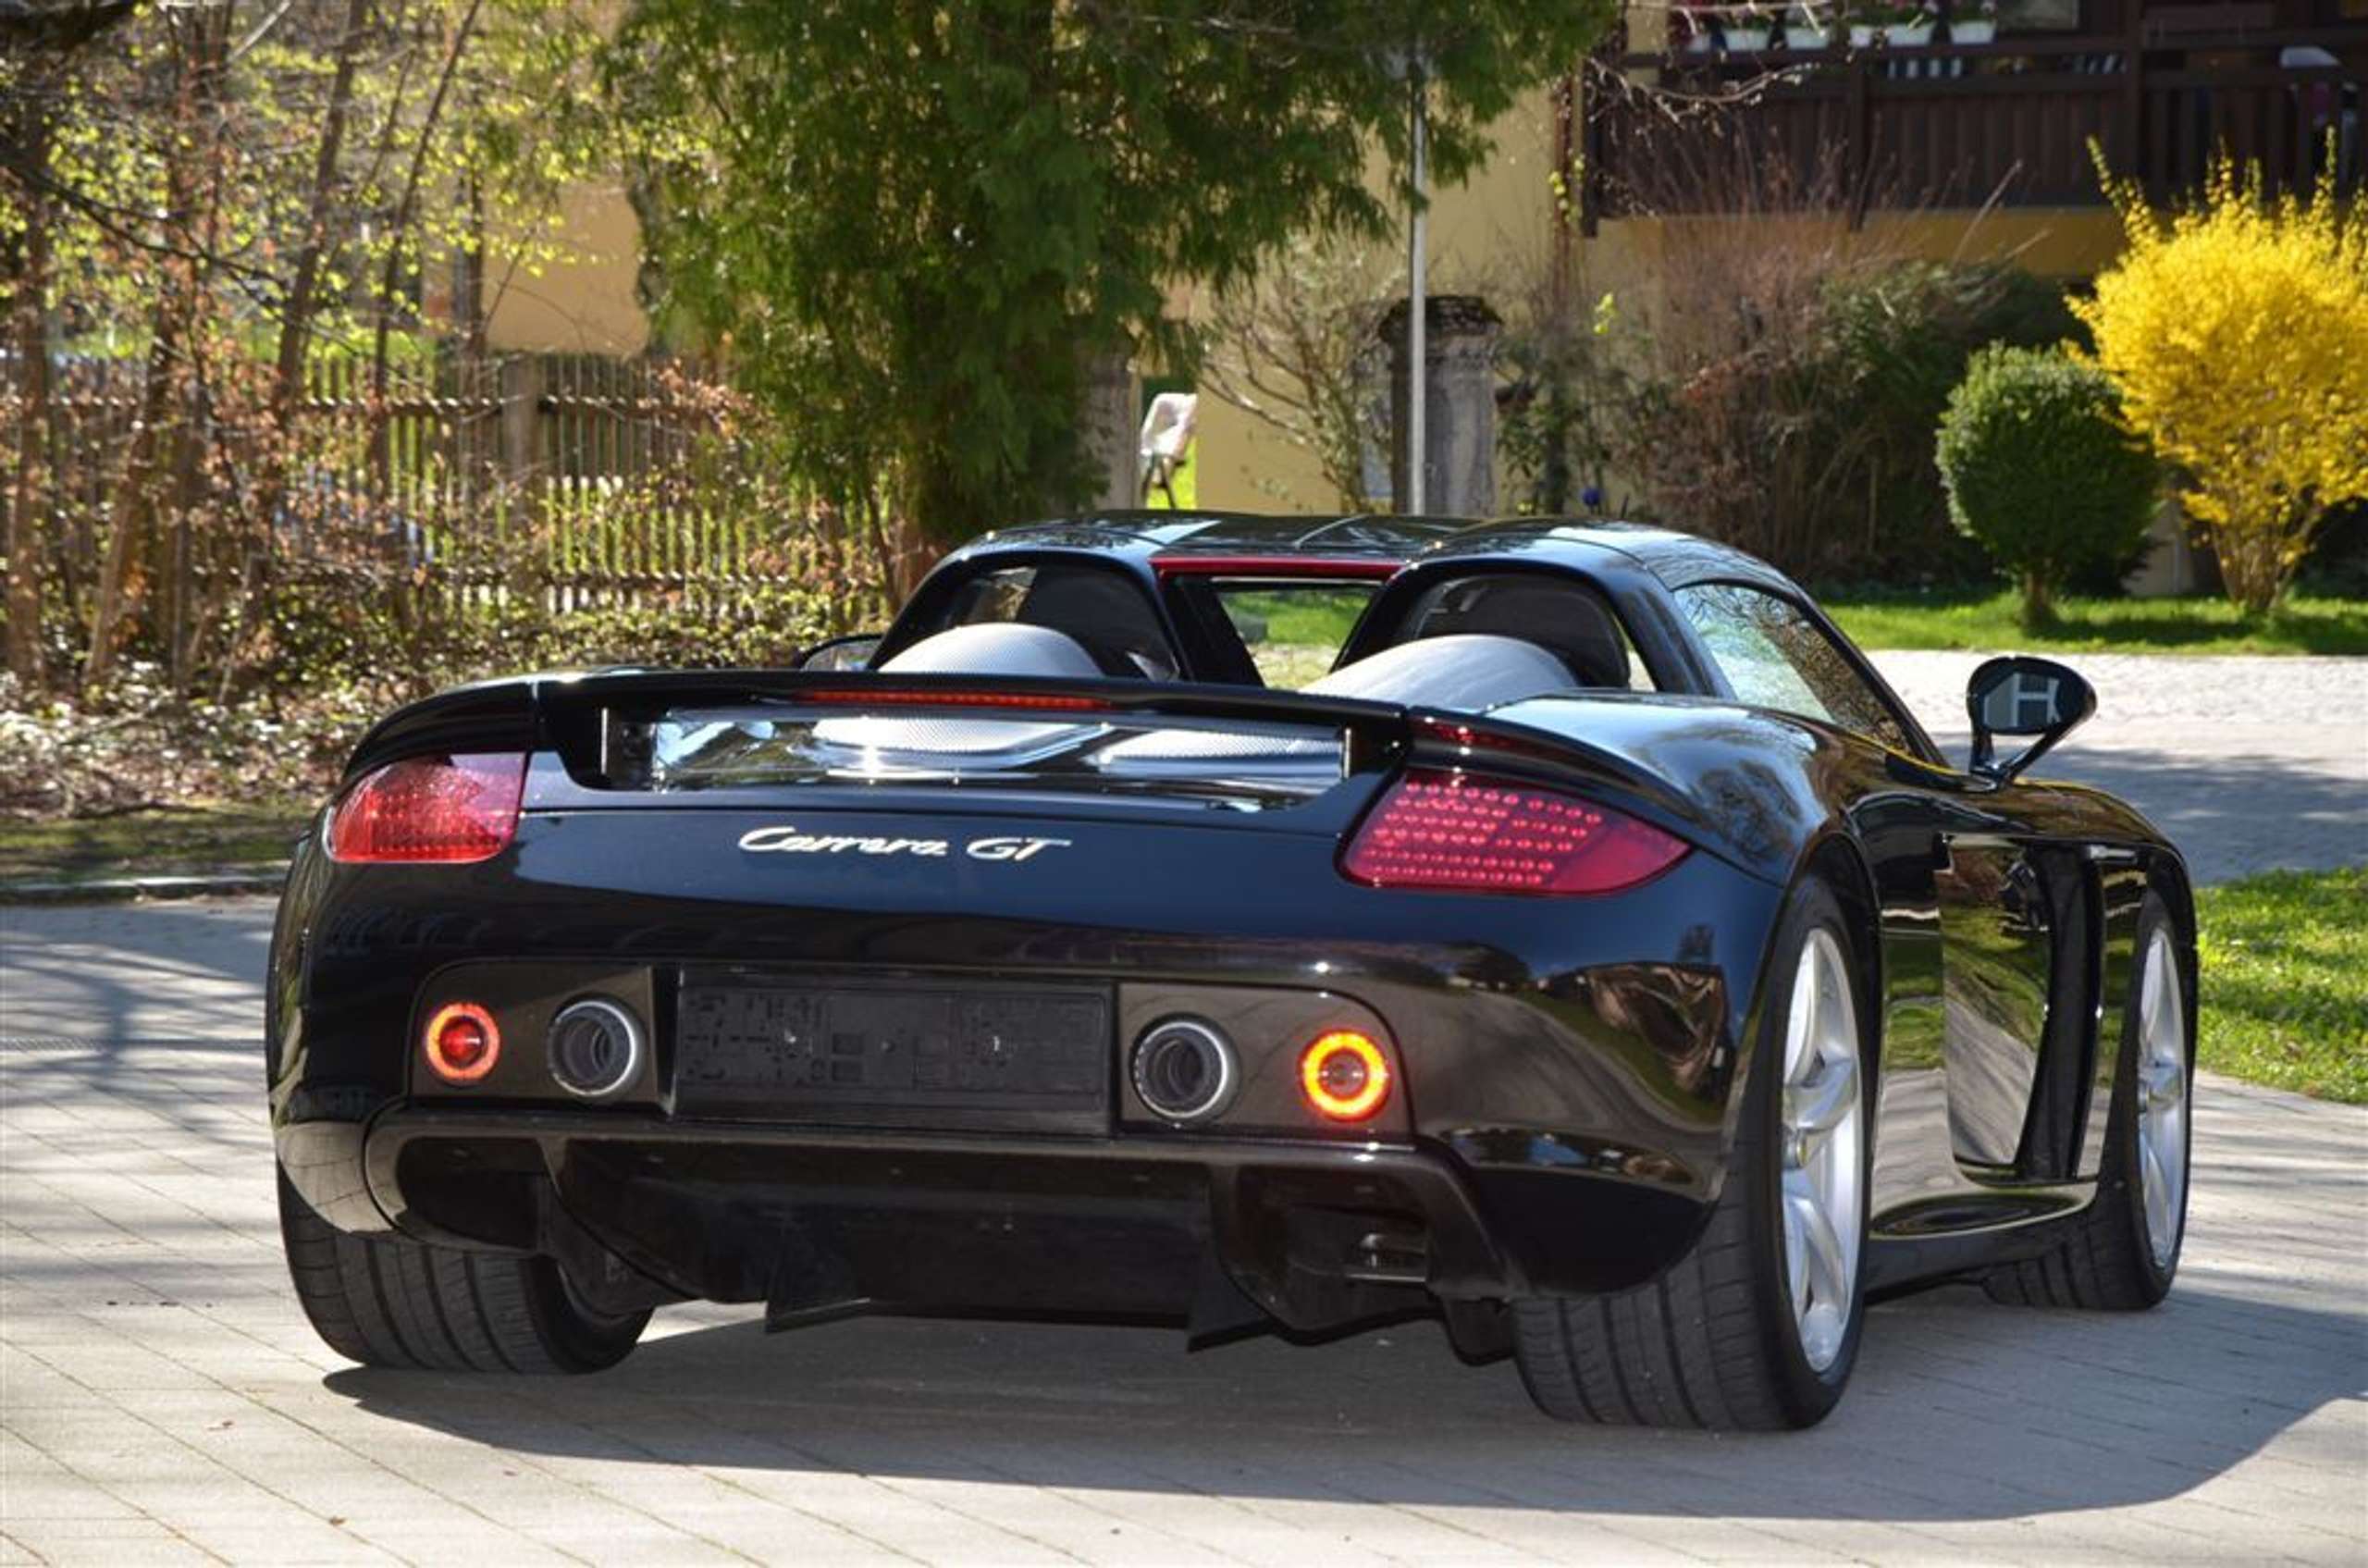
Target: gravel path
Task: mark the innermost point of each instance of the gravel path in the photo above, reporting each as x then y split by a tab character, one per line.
2247	763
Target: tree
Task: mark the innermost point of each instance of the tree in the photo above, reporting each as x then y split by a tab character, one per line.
2038	467
915	224
2236	330
225	198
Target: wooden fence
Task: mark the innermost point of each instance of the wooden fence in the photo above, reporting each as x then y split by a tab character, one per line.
589	480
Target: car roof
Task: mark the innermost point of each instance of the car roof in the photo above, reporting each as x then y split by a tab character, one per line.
1673	557
1146	533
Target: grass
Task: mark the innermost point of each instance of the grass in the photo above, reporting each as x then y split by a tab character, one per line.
2284	982
1309	615
2100	626
206	836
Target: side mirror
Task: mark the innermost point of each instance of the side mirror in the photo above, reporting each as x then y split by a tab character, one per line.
2021	697
840	653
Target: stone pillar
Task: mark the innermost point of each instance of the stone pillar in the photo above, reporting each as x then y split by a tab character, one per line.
1459	403
1107	429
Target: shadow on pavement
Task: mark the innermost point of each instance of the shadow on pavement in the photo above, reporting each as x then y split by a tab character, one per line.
134	972
2231	816
1960	1411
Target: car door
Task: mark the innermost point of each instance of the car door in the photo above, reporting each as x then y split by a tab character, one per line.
1977	904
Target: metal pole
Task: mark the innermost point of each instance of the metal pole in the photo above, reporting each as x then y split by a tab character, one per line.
1417	325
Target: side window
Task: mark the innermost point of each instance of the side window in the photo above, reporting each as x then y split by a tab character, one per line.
1776	657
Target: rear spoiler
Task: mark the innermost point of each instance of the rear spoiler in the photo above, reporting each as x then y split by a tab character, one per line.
566	712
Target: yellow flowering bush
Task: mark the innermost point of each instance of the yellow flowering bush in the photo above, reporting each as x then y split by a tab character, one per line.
2236	331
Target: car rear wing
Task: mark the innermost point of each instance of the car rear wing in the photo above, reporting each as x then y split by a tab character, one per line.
573	716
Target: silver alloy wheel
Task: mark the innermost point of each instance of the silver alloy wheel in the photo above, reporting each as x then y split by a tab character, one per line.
2162	1098
1824	1131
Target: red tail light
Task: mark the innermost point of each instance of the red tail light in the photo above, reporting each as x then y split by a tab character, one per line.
461	1042
910	696
1344	1074
431	809
1455	832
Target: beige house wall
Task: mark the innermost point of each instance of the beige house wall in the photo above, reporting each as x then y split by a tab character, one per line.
585	304
1492	236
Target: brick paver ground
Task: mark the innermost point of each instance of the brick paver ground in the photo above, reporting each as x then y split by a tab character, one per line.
160	1399
2248	764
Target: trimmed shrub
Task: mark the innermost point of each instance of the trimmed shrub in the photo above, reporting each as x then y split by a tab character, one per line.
2039	468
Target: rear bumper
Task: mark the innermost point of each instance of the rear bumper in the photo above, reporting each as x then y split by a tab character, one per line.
815	1221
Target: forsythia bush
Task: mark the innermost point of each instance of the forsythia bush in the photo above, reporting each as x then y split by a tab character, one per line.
2236	330
2038	467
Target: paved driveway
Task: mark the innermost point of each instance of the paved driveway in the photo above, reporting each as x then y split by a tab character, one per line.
162	1398
2247	763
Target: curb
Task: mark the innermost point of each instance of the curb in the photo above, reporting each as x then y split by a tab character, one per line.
225	884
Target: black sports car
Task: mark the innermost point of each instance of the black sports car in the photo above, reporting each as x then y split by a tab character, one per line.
1598	957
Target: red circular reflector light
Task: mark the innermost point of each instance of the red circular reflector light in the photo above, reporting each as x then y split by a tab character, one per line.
1344	1074
461	1042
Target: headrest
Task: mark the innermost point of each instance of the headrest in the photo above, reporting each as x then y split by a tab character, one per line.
1563	618
1467	672
998	649
1109	616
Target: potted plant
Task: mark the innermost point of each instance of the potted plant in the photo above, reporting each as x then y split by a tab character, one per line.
1973	21
1690	30
1807	27
1906	25
1747	29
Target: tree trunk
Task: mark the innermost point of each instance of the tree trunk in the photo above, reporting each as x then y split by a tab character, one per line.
301	303
29	500
201	38
2038	608
121	579
397	239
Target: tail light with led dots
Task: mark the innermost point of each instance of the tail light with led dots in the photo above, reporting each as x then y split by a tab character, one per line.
1463	833
431	809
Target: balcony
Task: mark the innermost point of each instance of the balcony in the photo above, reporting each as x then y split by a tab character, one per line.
1952	125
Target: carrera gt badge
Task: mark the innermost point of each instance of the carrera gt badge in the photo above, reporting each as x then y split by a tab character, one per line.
783	839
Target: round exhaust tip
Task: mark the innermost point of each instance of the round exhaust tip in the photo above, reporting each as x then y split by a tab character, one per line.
597	1048
1185	1071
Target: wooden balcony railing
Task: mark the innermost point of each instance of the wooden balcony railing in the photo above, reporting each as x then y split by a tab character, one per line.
1948	125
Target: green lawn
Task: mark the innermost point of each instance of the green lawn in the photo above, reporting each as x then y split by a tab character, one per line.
2284	982
203	837
2100	626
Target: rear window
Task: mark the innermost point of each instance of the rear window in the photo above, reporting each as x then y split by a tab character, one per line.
1244	766
1293	631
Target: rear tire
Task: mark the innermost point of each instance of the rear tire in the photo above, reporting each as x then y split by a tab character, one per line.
393	1302
1718	1340
2109	1259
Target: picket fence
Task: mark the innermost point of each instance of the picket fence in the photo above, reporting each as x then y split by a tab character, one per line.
555	474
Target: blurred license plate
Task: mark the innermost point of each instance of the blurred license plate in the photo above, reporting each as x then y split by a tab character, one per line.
912	1054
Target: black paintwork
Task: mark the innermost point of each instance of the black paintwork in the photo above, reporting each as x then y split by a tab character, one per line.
1568	1069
